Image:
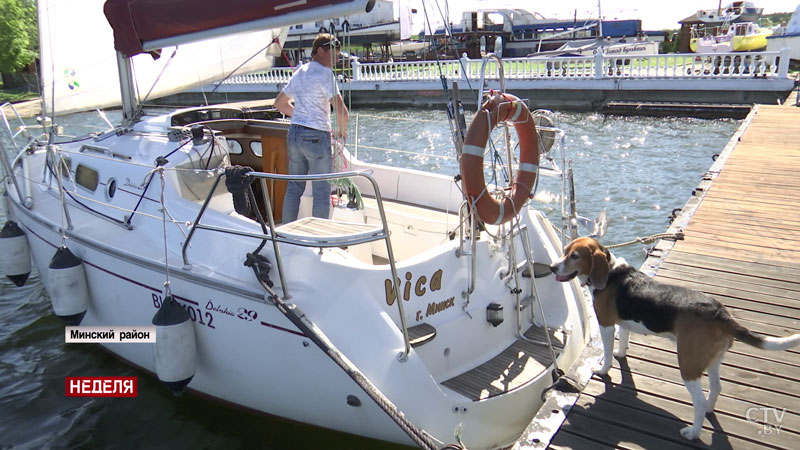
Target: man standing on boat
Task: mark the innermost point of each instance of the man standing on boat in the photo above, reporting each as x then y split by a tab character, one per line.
307	99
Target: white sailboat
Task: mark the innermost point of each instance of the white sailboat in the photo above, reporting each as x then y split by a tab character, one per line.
300	320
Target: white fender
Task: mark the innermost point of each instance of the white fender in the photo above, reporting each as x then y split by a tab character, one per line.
15	253
175	351
66	284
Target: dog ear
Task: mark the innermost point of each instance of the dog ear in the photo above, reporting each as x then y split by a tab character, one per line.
599	273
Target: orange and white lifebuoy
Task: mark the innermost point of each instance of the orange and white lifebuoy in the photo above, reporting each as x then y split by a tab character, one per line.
498	108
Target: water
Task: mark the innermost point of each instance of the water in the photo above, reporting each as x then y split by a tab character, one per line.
638	169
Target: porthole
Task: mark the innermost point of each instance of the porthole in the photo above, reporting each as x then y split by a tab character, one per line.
111	188
255	146
234	147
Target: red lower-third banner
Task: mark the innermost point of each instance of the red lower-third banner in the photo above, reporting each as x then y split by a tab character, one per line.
101	386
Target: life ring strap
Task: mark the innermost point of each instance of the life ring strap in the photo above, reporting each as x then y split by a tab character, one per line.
473	150
501	213
502	108
517	111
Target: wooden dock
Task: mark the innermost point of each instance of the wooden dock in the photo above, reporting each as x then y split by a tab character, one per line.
742	245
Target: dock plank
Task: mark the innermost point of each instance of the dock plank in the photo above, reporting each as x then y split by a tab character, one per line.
663	416
741	245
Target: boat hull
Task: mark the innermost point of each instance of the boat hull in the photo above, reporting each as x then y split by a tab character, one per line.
790	41
250	354
753	43
711	44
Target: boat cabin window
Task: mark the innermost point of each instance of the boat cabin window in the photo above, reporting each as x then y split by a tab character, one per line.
234	147
255	146
86	177
494	19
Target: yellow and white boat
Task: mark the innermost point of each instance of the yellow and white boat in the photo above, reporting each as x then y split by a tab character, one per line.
749	37
740	37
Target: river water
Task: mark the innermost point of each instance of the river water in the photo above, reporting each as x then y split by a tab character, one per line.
638	169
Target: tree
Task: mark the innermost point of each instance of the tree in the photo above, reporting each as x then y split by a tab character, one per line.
17	34
771	20
670	42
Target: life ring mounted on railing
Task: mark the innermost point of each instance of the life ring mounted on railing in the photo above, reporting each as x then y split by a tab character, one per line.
499	107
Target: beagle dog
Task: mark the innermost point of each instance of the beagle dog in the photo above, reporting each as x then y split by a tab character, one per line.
625	297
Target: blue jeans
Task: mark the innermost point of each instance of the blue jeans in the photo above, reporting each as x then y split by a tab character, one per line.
309	153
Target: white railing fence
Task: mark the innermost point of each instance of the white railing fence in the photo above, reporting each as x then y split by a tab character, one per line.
666	66
275	75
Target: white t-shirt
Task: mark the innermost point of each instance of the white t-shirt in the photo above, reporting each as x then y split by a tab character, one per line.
311	87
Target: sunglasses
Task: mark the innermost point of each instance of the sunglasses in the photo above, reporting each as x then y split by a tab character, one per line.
334	43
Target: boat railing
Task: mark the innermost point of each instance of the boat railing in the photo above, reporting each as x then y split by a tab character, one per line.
13	138
376	154
600	66
21	128
362	234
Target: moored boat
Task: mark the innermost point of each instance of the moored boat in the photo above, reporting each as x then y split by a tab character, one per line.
377	27
415	314
749	37
739	11
593	46
518	33
739	37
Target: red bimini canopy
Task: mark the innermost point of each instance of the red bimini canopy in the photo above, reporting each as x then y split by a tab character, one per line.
143	25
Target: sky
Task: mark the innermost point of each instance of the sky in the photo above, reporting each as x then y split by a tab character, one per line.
655	15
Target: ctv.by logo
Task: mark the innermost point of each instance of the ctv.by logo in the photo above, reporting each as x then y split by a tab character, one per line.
761	415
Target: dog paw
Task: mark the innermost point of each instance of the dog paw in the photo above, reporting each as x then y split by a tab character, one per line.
710	406
621	353
690	432
601	370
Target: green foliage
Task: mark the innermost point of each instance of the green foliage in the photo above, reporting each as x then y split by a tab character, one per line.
17	34
771	20
670	44
15	96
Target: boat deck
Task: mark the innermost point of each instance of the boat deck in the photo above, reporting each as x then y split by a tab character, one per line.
515	366
742	245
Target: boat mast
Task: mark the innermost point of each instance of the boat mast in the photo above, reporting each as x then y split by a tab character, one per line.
127	91
600	21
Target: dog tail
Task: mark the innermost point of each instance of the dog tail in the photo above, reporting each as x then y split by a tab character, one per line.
741	333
